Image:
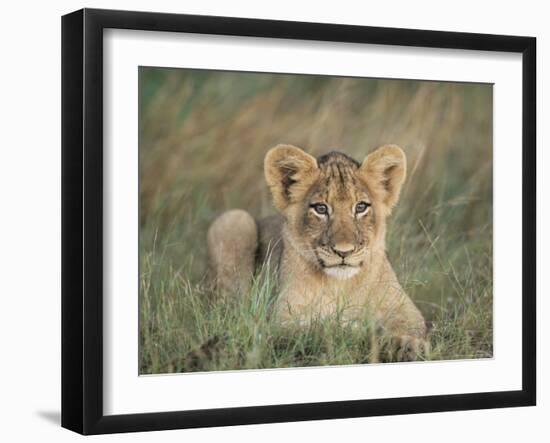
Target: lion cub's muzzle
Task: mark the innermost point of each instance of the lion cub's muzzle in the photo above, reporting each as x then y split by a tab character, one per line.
340	258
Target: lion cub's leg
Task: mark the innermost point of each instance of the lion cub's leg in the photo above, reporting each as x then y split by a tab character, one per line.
232	243
408	330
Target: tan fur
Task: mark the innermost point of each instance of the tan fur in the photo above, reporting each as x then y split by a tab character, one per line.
232	241
330	263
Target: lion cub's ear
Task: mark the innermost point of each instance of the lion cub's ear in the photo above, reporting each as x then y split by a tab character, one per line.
385	170
289	173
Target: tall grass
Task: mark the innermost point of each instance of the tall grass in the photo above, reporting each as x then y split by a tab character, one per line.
203	136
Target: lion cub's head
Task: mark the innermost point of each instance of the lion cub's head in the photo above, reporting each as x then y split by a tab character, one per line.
335	208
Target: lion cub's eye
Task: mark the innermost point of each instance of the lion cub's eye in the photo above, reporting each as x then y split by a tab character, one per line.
361	207
320	208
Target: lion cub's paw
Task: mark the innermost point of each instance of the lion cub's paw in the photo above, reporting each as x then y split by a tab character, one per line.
409	348
412	348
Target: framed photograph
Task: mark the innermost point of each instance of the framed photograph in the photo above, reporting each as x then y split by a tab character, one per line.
269	221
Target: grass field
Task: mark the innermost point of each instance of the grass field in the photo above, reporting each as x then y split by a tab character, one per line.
203	136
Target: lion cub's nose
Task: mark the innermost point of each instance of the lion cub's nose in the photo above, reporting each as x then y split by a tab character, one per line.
343	249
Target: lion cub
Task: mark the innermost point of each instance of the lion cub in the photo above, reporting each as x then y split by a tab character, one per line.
328	243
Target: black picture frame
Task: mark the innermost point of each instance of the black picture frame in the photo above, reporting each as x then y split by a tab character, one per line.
82	220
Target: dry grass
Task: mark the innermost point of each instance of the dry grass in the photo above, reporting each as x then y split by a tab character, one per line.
203	136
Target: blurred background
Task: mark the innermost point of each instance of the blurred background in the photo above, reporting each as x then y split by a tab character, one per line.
203	136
